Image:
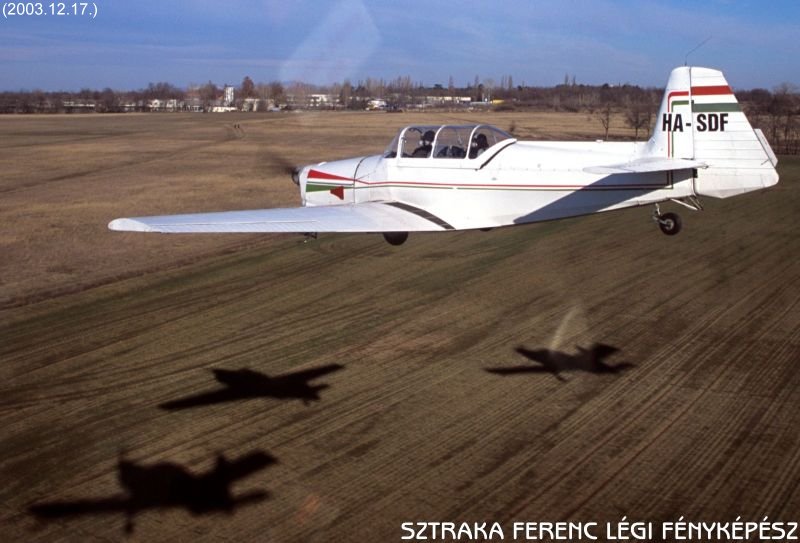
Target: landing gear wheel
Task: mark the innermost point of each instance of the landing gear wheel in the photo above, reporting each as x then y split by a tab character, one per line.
395	238
670	223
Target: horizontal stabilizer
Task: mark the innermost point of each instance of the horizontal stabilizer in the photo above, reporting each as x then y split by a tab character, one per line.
647	164
363	217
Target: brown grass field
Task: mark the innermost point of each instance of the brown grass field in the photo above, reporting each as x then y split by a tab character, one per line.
106	338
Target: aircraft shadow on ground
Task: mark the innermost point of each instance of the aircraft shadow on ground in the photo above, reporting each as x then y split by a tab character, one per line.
606	192
245	384
591	360
167	486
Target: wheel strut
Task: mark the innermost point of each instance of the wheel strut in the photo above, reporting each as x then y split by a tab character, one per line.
669	223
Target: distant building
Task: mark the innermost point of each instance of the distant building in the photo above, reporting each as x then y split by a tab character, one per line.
194	104
448	100
79	106
320	100
254	104
222	109
228	96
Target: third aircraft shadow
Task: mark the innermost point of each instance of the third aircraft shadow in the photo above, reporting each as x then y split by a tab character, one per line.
167	485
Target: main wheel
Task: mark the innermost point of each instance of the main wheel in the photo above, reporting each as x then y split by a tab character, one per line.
670	223
395	238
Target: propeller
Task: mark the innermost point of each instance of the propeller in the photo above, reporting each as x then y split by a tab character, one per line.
286	166
290	169
279	162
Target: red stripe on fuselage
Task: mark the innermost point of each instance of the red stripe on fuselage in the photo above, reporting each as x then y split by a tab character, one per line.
496	186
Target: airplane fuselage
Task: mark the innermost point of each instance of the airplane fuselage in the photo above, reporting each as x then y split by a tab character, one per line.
518	183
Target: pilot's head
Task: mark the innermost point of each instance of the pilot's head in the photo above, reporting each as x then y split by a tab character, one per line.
481	142
427	137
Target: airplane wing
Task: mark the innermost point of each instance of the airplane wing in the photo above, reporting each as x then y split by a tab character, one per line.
311	373
601	350
542	356
361	217
53	510
244	466
519	370
647	164
204	398
513	370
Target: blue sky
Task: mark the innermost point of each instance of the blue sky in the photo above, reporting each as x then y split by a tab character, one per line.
133	43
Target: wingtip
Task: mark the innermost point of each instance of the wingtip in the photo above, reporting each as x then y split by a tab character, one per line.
128	225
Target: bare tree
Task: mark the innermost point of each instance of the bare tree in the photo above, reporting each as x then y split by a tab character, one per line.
208	93
108	101
605	118
276	92
785	109
346	94
638	115
248	88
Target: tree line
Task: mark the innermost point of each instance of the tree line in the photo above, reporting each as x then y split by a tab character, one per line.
776	111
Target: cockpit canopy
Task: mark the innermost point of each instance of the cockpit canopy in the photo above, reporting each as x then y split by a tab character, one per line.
445	142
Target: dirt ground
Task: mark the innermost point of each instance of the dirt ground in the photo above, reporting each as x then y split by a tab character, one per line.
262	388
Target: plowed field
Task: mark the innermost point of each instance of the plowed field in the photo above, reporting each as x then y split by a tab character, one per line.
661	378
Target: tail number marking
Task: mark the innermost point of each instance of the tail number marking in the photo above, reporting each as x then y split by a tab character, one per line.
711	122
672	122
706	122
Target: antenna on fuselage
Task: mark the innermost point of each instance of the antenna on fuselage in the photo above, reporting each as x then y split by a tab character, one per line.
701	44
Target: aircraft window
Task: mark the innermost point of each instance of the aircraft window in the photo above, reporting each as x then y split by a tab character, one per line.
417	141
483	137
391	151
451	142
444	141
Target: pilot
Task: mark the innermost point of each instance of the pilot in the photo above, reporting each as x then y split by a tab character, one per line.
425	145
479	145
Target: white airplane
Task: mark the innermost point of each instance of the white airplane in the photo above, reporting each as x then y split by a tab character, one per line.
434	178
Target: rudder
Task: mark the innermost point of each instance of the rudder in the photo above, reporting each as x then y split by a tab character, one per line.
701	119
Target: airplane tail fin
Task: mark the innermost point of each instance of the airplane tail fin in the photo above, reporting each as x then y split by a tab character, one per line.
700	119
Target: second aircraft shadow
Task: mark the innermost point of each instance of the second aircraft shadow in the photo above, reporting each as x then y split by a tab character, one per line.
246	384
